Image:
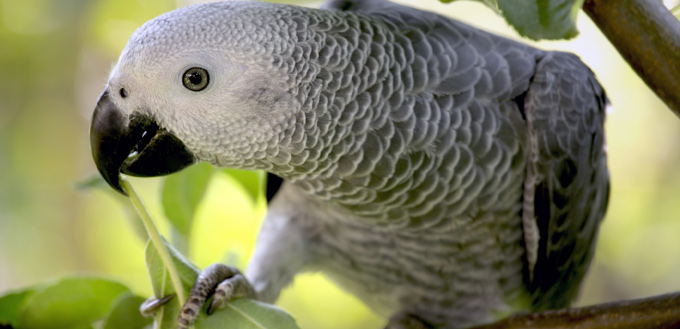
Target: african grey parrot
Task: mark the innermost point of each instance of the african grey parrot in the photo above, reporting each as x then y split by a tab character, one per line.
444	175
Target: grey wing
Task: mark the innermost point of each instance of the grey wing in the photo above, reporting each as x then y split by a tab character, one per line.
567	183
567	177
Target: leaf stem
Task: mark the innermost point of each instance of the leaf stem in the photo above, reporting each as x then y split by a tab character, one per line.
156	240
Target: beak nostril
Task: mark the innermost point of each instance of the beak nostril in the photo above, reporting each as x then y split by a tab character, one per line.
123	93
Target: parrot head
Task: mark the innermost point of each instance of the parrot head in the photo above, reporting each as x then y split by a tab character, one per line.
193	85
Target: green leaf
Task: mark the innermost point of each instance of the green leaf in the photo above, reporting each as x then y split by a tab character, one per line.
11	305
240	313
182	192
252	182
72	302
540	19
188	272
125	313
493	4
166	317
244	313
676	10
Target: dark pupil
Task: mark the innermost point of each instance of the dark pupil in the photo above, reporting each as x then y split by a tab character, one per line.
195	78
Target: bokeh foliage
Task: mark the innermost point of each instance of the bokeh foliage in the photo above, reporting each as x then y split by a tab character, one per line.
54	59
538	19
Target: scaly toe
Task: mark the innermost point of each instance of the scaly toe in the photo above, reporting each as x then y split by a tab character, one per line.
219	280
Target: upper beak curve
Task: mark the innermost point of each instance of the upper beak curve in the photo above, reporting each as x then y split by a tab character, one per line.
135	146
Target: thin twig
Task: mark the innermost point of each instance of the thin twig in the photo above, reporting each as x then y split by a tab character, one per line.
647	35
658	312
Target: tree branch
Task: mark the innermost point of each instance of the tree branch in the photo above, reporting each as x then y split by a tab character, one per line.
647	35
658	312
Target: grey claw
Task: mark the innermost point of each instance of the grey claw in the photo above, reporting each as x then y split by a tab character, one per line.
211	308
151	305
220	281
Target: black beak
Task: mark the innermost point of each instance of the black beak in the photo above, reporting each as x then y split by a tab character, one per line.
137	147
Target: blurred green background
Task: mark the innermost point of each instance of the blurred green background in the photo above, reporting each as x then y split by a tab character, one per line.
54	61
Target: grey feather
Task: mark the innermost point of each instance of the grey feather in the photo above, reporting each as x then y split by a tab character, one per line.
429	168
425	216
568	168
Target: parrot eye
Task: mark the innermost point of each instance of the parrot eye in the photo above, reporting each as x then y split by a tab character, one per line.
195	79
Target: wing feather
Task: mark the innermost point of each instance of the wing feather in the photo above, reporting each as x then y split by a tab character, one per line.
567	174
567	183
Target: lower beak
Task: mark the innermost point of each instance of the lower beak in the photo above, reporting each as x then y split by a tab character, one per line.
135	146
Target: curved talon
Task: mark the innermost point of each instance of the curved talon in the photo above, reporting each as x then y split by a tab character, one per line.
223	282
216	304
151	305
233	287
